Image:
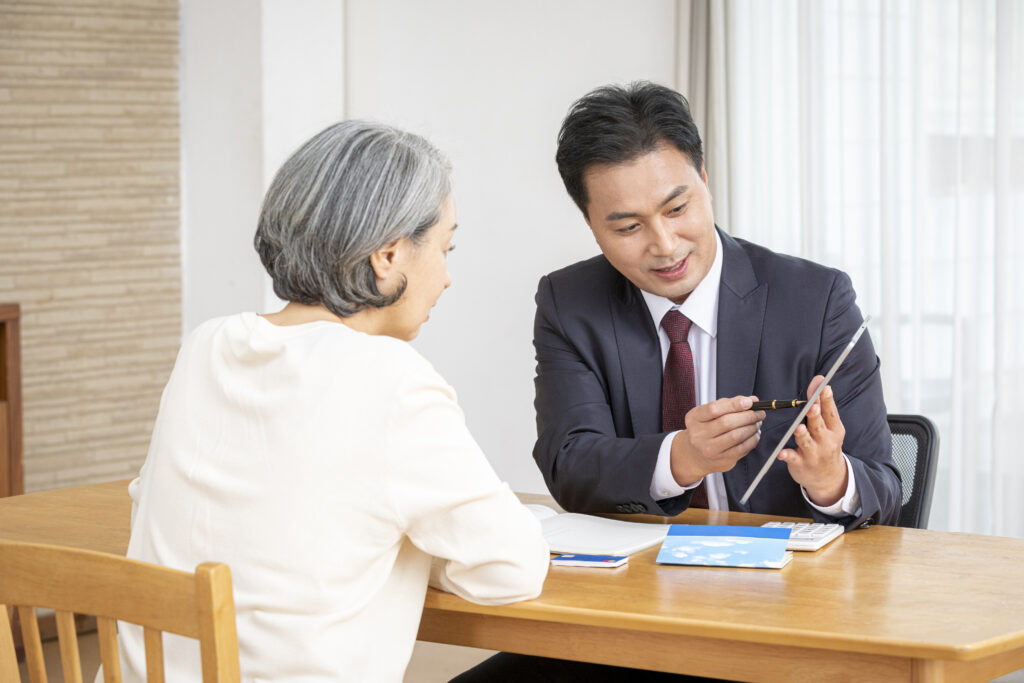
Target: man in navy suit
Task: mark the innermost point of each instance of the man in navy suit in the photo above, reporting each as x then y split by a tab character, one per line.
761	324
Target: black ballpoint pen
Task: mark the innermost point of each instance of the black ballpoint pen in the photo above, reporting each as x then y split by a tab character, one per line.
776	405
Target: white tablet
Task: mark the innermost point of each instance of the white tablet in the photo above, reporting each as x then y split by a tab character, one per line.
803	411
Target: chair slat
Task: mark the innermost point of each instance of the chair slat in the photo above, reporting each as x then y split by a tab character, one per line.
34	661
154	655
8	661
67	636
109	657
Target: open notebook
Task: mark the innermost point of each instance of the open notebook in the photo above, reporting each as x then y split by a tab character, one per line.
570	532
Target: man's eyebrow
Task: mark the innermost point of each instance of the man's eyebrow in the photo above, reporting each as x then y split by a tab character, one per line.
619	215
680	189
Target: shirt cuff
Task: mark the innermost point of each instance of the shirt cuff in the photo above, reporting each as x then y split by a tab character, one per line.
849	504
663	484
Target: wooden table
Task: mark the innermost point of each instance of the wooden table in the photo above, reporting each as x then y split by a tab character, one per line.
878	604
95	517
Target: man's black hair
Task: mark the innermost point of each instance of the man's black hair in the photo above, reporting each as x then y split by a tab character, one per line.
615	124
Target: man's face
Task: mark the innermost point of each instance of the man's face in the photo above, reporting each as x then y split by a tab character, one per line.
652	219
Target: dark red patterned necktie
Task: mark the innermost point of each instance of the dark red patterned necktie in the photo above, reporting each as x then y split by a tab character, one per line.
678	391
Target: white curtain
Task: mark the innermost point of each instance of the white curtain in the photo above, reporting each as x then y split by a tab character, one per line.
887	139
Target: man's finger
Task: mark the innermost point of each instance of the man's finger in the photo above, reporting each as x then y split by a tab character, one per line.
733	437
731	422
812	387
789	456
829	410
724	414
815	424
803	437
740	450
709	412
725	406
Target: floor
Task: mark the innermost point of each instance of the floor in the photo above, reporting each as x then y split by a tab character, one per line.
430	663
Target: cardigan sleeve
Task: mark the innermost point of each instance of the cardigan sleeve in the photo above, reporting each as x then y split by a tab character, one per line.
452	505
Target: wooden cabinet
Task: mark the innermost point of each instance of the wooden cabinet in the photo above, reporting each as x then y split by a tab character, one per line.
11	476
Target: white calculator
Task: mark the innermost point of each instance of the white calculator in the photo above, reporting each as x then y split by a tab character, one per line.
807	535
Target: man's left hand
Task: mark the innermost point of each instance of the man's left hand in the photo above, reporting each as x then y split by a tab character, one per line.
818	464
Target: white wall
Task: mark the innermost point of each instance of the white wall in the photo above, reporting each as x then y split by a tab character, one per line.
489	83
257	79
221	159
303	75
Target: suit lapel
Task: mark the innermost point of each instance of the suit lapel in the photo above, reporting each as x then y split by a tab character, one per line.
741	308
640	357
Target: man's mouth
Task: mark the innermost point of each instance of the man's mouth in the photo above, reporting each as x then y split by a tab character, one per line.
675	271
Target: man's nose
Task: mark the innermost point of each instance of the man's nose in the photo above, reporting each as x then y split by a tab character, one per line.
664	241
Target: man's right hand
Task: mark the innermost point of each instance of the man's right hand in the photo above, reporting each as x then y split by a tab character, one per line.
717	435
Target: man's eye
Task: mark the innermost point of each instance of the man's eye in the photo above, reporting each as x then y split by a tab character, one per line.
678	209
628	229
451	248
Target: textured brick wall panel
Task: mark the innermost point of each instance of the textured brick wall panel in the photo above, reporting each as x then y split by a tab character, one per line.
89	226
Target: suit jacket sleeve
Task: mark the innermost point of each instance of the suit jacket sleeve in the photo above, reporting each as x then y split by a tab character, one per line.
587	465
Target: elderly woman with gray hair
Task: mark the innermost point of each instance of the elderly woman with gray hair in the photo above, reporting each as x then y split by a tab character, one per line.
314	450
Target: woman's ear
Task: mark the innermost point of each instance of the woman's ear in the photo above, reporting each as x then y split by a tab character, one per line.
385	263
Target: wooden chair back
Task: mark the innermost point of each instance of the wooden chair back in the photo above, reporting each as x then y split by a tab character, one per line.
71	581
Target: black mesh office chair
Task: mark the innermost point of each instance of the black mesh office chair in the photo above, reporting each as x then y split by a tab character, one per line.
915	448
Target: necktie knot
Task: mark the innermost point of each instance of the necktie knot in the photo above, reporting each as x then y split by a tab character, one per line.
676	326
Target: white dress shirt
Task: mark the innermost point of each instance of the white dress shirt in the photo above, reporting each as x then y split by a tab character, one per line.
701	307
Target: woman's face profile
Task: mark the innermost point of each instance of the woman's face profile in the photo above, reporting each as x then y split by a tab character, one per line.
425	269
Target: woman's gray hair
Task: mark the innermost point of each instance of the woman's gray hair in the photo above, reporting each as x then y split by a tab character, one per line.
351	190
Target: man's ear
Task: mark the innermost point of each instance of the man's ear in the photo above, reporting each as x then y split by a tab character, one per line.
384	261
704	177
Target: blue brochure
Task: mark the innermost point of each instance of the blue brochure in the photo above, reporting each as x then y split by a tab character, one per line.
725	546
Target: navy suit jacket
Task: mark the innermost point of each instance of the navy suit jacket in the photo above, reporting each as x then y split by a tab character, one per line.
781	320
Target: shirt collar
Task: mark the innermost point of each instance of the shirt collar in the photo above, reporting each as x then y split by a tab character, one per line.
701	307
